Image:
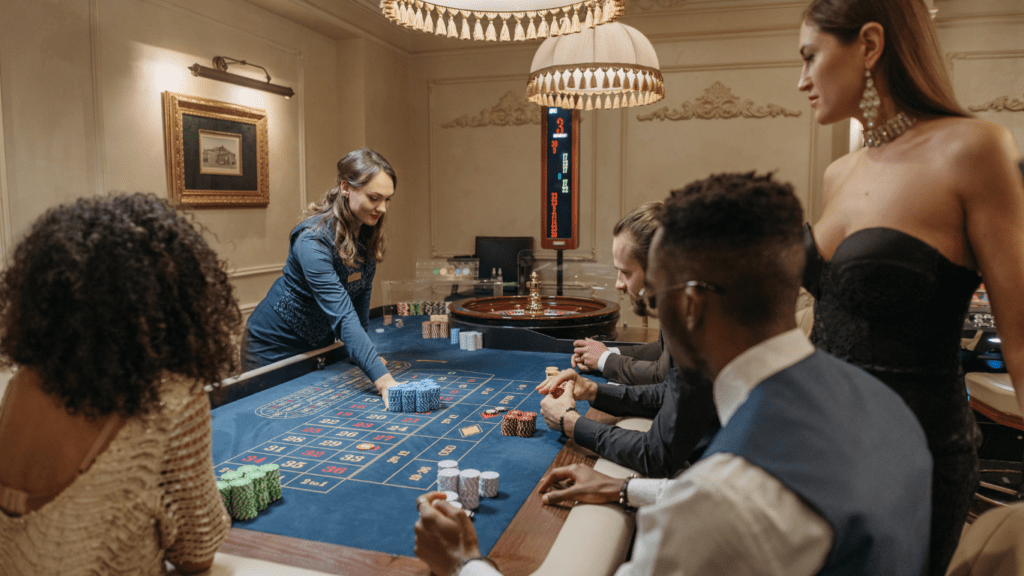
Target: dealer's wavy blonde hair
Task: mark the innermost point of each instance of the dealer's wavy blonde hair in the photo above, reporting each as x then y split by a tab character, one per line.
356	169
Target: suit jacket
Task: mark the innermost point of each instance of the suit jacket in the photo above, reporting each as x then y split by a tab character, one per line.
638	365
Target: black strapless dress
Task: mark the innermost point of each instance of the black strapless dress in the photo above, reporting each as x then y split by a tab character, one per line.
894	306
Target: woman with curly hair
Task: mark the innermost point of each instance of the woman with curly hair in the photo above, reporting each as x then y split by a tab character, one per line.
324	290
116	313
910	225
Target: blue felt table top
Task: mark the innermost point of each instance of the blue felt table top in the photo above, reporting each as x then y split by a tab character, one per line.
336	493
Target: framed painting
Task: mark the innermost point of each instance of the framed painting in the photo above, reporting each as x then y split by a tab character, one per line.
217	153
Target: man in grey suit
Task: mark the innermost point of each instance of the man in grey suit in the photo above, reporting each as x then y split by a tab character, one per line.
632	365
678	402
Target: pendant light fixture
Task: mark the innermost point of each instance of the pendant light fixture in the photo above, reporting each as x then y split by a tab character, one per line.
608	66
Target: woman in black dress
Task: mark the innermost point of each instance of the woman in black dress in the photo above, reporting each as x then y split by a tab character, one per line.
908	224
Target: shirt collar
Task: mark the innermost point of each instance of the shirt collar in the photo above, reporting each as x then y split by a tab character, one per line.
754	365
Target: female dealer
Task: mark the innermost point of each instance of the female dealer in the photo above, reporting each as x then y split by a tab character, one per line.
324	290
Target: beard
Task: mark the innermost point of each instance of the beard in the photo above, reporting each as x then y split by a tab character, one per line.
638	305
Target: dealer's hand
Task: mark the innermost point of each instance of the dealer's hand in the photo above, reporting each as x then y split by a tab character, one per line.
586	389
559	413
383	383
579	483
586	353
445	537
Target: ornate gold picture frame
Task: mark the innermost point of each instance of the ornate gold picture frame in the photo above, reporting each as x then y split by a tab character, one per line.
234	172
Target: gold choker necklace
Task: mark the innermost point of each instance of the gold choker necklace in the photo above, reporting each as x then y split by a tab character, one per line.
898	124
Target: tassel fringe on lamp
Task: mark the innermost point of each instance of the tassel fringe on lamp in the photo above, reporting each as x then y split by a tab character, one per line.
609	66
479	19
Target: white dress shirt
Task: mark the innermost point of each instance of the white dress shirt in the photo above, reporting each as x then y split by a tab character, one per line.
724	515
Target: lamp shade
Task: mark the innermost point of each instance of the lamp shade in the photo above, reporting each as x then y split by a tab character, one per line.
479	19
609	66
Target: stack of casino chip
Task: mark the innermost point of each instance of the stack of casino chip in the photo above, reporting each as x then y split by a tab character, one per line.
225	493
519	423
471	341
489	484
448	479
273	480
403	308
436	327
387	319
244	502
469	488
250	489
415	396
399	323
454	335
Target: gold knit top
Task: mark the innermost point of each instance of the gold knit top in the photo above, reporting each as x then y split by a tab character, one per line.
150	496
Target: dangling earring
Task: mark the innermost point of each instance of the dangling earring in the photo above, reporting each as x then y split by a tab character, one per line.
870	102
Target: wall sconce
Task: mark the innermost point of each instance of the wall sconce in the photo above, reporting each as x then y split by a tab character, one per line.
220	72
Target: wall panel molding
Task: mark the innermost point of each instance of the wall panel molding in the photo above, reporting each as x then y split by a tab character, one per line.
818	158
717	102
579	255
1000	104
511	110
953	57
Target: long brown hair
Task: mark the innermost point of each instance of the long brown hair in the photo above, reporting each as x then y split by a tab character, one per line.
911	61
356	169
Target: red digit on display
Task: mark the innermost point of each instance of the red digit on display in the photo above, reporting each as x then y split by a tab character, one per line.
554	146
561	126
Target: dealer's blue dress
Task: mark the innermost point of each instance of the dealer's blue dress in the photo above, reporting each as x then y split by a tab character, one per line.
894	306
316	300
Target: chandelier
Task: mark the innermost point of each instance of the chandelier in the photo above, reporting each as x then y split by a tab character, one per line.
519	20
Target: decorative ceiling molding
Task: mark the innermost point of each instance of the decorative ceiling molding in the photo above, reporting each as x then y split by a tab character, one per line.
644	5
511	110
1000	104
718	102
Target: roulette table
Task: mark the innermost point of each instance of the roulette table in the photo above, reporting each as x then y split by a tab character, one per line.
351	470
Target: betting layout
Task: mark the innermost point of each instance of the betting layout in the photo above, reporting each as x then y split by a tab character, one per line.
337	430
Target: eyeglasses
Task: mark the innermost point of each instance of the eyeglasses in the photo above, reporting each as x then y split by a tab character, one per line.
649	297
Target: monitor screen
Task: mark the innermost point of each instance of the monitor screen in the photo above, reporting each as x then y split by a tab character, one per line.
501	252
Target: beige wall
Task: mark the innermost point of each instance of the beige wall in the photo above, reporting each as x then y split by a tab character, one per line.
80	82
81	89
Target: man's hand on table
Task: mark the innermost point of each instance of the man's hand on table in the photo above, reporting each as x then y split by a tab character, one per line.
586	354
579	483
560	413
585	388
445	536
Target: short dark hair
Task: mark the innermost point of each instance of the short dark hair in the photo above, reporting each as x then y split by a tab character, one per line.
641	223
105	294
742	232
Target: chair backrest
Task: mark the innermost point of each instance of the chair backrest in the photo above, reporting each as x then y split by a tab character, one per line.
993	545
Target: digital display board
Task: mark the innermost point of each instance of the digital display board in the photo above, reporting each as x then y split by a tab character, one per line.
559	179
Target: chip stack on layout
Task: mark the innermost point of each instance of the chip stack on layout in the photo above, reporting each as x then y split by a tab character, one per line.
519	423
469	488
489	484
448	480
